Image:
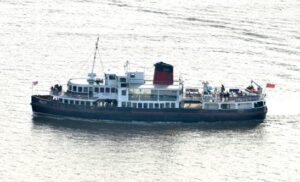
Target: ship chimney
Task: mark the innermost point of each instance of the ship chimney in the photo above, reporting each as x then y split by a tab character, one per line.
163	74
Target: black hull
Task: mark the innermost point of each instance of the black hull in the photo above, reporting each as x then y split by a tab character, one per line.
41	105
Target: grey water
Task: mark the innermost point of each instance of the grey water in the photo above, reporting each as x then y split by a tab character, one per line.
222	41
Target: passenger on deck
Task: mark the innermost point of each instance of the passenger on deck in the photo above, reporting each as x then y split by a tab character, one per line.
222	88
259	90
227	96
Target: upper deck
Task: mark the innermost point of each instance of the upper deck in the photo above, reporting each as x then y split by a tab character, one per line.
131	89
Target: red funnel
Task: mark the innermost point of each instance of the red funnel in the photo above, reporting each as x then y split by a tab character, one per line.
163	74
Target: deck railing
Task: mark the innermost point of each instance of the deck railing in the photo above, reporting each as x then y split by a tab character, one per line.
245	98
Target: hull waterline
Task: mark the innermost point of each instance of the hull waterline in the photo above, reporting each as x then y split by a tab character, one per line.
147	115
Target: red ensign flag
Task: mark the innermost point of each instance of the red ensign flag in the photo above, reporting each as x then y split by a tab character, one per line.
270	85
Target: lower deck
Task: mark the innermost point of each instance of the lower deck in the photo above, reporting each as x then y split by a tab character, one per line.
222	105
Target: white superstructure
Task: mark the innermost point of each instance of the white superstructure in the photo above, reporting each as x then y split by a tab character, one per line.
131	90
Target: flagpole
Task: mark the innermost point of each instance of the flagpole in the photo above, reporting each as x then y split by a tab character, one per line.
32	85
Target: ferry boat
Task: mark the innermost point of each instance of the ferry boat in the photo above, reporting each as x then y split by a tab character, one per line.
130	97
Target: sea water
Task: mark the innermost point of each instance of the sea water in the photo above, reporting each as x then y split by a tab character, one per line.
222	41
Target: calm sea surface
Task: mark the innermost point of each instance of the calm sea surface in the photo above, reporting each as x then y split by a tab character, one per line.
221	41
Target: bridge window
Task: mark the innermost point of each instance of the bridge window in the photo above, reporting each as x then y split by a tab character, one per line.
76	102
113	90
79	89
156	105
123	92
97	89
128	104
112	77
71	101
123	104
60	100
107	90
123	85
82	103
122	80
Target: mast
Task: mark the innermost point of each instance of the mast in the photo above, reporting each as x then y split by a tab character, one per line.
126	66
92	75
95	54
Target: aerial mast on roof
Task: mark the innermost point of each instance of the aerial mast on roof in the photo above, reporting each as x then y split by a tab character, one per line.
95	54
92	75
126	66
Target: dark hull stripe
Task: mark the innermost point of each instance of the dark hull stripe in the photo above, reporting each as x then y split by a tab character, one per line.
131	114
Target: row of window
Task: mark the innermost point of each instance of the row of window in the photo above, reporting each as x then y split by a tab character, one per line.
75	102
124	104
152	97
96	89
247	105
114	77
105	90
149	105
